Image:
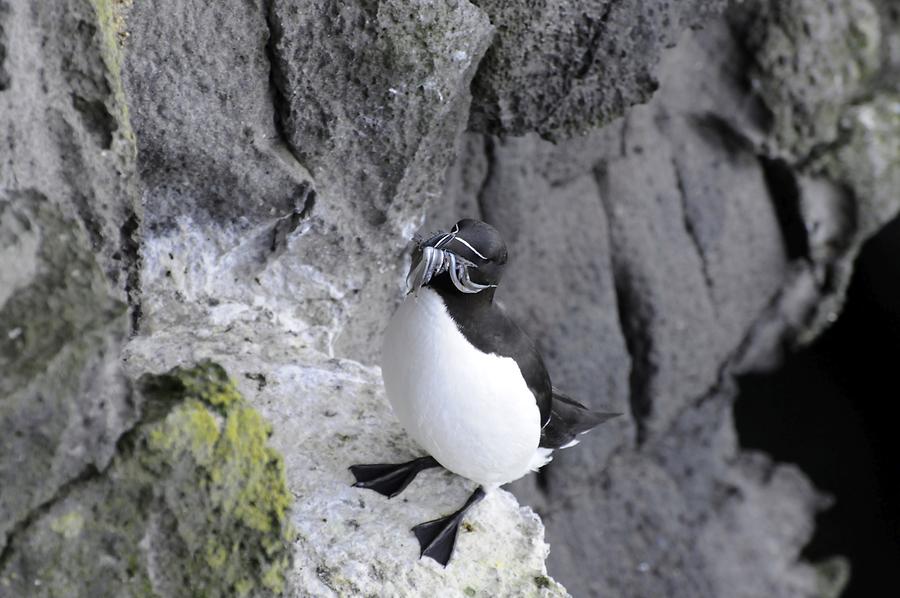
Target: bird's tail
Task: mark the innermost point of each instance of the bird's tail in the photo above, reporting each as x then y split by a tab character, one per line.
568	419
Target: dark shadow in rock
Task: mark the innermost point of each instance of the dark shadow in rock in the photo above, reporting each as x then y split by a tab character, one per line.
97	119
785	193
5	79
832	410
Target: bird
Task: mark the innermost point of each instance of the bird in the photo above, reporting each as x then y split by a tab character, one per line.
466	382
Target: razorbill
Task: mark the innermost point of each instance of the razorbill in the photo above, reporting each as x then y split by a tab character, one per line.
465	381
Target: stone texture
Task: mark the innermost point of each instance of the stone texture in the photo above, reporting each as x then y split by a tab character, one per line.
65	204
194	503
560	68
239	183
810	60
707	249
834	144
383	86
322	84
74	146
350	541
64	400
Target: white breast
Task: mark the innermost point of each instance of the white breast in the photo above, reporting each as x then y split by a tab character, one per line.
472	411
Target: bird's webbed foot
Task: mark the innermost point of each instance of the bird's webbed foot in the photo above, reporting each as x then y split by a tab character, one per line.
437	538
390	479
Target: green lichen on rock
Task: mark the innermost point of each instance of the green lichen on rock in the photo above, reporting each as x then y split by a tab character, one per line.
832	576
236	512
111	23
867	160
195	505
68	526
811	58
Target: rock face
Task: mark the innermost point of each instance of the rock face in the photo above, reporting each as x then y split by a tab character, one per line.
245	158
562	68
67	215
348	541
235	185
696	237
193	503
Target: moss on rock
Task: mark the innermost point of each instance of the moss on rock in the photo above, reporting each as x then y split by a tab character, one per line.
195	505
111	22
867	160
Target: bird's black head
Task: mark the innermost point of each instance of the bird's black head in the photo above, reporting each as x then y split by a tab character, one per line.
472	254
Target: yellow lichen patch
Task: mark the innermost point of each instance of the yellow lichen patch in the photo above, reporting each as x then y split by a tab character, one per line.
216	555
262	498
191	428
69	525
111	17
209	385
273	577
194	487
243	587
112	26
230	496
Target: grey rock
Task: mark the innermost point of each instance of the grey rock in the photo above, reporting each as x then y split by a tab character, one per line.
202	110
868	161
65	128
230	159
713	254
244	180
193	503
385	87
65	205
4	74
209	154
810	60
561	68
326	415
676	260
889	72
65	401
380	85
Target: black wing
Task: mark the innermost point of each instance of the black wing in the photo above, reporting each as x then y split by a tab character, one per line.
568	419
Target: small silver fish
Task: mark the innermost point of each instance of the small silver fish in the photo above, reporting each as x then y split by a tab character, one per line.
433	261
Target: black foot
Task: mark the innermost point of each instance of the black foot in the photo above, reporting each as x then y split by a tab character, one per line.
390	479
438	537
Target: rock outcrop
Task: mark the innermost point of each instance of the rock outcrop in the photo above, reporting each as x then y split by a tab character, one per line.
204	217
194	502
697	237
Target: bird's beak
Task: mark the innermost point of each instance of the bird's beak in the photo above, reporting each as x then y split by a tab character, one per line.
432	258
414	263
426	261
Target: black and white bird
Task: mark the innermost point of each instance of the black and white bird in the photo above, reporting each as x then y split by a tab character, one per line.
466	382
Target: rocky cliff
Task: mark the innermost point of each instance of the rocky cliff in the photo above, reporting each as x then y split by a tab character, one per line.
204	216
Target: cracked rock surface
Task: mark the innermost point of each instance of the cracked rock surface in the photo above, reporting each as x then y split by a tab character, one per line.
562	68
204	218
